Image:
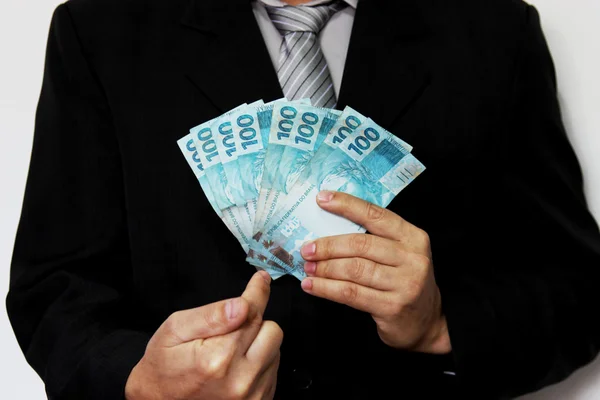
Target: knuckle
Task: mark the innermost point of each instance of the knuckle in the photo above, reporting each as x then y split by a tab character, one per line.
360	243
374	213
171	324
422	263
400	255
413	289
420	269
349	293
240	389
393	307
276	331
324	247
213	366
324	269
423	239
375	273
213	320
357	271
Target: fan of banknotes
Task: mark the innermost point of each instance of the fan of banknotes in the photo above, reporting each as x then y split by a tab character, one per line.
262	165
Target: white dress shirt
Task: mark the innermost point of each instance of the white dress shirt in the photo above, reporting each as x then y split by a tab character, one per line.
333	39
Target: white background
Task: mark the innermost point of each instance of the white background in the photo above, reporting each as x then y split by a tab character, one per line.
572	29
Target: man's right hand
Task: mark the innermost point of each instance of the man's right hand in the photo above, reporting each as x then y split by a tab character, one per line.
222	350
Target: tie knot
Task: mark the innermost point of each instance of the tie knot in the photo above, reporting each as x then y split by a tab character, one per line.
303	18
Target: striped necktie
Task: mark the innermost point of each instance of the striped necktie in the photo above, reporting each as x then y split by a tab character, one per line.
302	69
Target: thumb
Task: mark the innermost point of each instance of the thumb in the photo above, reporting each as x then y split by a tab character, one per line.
203	322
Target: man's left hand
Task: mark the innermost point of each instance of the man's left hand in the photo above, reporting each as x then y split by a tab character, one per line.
387	273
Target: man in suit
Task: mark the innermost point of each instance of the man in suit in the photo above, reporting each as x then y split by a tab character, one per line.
478	281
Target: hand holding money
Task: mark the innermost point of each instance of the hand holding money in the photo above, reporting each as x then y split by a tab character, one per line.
388	273
223	350
261	165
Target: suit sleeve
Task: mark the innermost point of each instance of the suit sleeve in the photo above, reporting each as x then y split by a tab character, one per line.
69	301
522	305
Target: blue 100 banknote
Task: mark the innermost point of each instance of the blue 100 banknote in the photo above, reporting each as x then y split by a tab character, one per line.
228	154
261	166
230	219
371	164
273	143
298	131
205	141
231	216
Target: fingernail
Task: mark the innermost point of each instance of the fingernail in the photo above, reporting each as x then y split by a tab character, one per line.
232	308
310	267
307	284
265	275
309	249
324	196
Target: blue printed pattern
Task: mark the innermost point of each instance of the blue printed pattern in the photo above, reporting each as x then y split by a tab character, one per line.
261	166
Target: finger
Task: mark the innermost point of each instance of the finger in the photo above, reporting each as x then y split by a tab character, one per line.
201	356
270	392
356	296
358	270
374	248
266	345
257	295
246	382
377	220
266	384
203	322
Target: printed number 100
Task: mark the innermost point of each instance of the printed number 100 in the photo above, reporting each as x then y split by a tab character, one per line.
306	131
362	143
247	134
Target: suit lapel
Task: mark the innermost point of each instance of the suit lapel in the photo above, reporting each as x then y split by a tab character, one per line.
386	67
385	72
226	55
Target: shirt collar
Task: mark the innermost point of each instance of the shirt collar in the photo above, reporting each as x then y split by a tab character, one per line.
279	3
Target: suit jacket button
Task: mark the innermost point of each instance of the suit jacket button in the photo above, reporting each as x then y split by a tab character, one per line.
301	379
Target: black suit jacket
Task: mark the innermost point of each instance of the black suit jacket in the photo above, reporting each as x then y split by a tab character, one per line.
116	234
